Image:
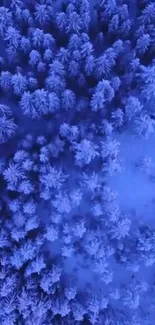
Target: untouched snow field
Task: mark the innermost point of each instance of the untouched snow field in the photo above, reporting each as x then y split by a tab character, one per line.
135	188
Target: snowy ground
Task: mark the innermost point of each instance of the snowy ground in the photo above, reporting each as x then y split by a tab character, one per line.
135	188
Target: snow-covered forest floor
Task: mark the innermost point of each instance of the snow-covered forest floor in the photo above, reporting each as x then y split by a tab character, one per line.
135	186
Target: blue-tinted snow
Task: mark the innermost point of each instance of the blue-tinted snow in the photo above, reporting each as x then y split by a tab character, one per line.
135	188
